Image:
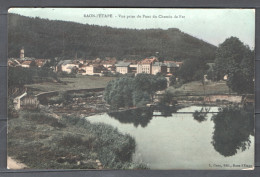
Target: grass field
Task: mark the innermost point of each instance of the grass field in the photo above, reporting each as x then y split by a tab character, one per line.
80	82
197	88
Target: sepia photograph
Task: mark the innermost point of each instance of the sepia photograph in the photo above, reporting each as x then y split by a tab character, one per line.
131	88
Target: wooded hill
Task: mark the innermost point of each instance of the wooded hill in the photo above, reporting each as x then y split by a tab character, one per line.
42	38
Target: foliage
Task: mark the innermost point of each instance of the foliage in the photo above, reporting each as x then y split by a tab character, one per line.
41	118
18	76
12	113
75	145
167	99
149	83
62	97
173	80
113	148
42	38
193	70
141	98
233	125
130	91
236	60
118	92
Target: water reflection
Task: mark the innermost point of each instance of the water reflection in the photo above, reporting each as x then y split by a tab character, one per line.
233	126
141	116
176	142
166	111
201	115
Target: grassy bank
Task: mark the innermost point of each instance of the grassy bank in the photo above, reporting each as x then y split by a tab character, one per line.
79	82
43	142
197	88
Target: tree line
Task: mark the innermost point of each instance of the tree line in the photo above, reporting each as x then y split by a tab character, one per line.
233	59
42	38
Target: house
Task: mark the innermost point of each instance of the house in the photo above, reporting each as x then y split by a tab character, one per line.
13	62
81	61
145	66
67	66
40	62
173	66
26	63
132	66
159	67
122	67
109	63
93	69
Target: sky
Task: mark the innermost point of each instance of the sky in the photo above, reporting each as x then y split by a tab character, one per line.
210	25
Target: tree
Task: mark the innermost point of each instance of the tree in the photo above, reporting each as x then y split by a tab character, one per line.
118	92
64	39
129	91
150	83
236	60
173	80
192	69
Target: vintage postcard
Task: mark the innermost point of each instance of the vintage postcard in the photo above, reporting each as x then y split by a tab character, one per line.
131	88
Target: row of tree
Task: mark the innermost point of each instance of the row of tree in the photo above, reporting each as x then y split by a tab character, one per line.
19	76
44	38
128	91
233	59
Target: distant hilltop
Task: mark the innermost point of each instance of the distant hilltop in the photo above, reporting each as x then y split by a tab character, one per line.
44	38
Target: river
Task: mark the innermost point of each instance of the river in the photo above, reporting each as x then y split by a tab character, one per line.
178	141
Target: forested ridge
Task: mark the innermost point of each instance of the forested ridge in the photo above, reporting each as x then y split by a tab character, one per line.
43	38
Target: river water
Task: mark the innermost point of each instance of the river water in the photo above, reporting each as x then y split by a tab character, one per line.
178	141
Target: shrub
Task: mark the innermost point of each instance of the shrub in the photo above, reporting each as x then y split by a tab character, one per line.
41	118
71	140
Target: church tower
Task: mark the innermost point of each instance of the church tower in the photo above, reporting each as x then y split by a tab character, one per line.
22	53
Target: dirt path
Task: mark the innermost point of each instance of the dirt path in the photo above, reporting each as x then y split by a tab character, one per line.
14	164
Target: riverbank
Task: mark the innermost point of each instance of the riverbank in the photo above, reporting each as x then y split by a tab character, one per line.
43	142
92	103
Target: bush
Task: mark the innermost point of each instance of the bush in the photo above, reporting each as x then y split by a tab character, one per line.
71	140
41	118
114	149
18	76
167	99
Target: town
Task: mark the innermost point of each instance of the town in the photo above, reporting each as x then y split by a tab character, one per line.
98	67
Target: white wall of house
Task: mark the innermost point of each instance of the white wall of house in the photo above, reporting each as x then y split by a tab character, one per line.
144	68
68	67
25	66
156	69
89	70
122	69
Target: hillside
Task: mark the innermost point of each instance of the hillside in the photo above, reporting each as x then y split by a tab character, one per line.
44	38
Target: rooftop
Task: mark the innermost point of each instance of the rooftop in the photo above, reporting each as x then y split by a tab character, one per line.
159	64
148	60
123	64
